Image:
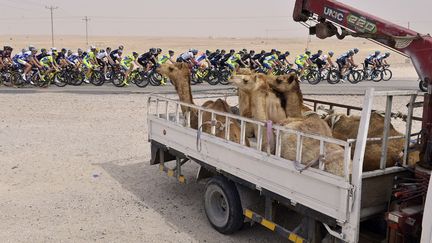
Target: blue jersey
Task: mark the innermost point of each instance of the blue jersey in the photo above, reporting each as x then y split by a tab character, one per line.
200	58
343	57
72	58
371	57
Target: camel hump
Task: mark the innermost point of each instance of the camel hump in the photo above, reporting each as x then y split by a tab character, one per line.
222	105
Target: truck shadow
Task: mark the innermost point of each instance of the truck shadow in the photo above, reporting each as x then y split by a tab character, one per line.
179	204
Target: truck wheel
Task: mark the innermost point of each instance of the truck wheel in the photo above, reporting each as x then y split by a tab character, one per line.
222	205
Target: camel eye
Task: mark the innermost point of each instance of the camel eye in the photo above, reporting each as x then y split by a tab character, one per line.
245	81
279	81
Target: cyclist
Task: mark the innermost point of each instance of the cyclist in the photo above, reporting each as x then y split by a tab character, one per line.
48	63
371	59
351	59
116	55
215	60
327	59
127	65
43	54
255	60
22	60
202	60
283	59
90	62
213	54
235	60
302	61
188	57
315	56
381	59
148	57
246	58
75	58
167	57
225	58
271	60
102	58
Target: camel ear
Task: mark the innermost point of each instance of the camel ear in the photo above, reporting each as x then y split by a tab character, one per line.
291	78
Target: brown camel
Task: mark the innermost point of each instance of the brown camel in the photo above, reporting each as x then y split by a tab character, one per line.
179	74
244	102
346	127
311	123
264	104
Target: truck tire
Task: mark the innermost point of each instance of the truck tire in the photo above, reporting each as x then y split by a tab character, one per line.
222	205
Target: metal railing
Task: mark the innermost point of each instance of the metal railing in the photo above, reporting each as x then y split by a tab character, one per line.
161	110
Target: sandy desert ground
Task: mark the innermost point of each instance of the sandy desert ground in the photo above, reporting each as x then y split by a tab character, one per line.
74	167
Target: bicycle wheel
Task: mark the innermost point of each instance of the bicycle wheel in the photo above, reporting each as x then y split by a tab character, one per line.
17	80
60	79
354	76
313	77
97	78
212	78
118	79
141	80
376	75
333	77
224	77
387	74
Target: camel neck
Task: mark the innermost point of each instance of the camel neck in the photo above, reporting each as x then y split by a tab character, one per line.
258	104
294	103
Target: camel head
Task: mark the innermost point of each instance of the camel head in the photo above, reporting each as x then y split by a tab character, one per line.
249	83
179	74
285	83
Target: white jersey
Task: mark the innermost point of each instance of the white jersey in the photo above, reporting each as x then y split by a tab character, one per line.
101	55
323	58
187	56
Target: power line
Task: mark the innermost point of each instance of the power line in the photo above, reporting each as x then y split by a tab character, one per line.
52	8
86	19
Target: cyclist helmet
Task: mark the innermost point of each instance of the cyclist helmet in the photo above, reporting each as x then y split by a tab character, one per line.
121	47
223	51
377	53
43	50
217	51
153	50
387	54
278	53
263	52
135	54
102	51
34	50
63	50
244	50
320	51
287	53
194	51
159	50
208	52
80	51
232	51
356	50
307	52
241	53
331	53
53	49
108	49
69	52
171	52
93	48
252	52
351	52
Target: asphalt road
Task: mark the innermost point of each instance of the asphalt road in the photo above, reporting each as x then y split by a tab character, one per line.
320	89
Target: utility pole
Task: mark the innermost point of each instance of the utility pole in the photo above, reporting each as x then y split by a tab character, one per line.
408	25
86	19
52	8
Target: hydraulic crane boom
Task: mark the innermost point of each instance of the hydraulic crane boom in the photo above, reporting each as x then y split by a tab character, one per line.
331	14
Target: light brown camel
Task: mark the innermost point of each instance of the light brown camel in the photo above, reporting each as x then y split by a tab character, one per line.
244	102
264	104
311	123
179	74
346	127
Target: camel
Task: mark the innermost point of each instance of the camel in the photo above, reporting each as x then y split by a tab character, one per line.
264	105
244	102
346	127
289	87
179	74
